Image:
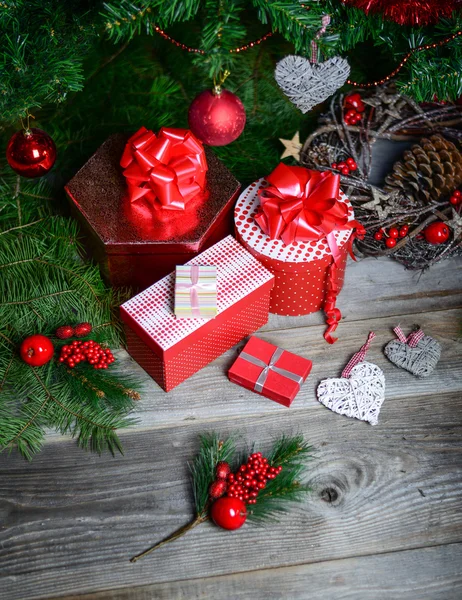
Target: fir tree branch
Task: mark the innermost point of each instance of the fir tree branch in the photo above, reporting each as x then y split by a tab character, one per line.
21	226
7	370
27	425
7	339
67	409
44	297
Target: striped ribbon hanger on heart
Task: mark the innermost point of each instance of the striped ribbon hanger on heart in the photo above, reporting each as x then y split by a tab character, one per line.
358	357
314	46
412	339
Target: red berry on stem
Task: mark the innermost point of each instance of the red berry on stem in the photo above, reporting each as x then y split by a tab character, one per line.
229	513
217	489
454	200
390	242
345	171
437	233
393	232
351	163
457	193
82	329
378	235
36	350
222	470
64	332
334	165
403	231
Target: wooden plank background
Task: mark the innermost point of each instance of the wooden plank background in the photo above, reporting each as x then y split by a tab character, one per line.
384	519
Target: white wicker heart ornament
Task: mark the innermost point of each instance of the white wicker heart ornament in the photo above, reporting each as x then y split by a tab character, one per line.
359	393
360	396
307	84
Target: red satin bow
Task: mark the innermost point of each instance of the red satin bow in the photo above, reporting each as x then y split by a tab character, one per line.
301	205
167	170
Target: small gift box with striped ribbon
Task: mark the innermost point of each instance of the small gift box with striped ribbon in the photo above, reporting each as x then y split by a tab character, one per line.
270	371
195	292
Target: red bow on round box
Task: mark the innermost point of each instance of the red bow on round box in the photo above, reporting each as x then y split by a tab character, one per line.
301	205
167	170
300	209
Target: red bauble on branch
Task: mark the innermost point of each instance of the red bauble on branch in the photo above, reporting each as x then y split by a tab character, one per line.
407	12
31	152
436	233
217	117
229	513
36	350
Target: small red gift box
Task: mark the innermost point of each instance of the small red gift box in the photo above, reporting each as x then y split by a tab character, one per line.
270	371
137	230
300	225
171	349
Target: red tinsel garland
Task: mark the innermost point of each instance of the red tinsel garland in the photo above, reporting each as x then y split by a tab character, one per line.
407	12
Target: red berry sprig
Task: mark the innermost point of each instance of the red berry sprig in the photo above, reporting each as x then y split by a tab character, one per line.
89	351
345	166
456	198
391	235
251	478
354	106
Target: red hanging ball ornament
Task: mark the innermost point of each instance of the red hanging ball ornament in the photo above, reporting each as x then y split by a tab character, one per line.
31	153
229	513
407	12
217	117
36	350
437	233
82	329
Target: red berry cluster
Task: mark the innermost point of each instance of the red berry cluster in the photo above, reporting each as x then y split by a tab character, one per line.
89	351
456	198
345	166
251	478
67	331
391	235
354	106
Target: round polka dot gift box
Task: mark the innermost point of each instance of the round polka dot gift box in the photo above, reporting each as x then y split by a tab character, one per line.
300	226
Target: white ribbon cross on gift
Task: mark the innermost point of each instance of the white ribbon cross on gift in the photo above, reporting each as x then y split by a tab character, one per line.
271	366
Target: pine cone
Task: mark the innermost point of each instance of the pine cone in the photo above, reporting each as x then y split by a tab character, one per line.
429	171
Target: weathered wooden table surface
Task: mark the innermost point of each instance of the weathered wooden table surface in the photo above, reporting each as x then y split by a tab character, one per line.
384	520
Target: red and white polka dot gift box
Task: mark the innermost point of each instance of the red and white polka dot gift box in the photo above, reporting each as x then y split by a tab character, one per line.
308	235
171	349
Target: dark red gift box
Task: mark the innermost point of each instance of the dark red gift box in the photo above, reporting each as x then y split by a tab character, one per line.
278	381
134	244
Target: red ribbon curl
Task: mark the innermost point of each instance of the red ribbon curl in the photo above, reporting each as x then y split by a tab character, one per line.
167	170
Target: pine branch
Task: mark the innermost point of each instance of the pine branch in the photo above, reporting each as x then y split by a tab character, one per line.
212	451
290	452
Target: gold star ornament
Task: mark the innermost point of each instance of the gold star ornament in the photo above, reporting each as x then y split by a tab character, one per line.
292	147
